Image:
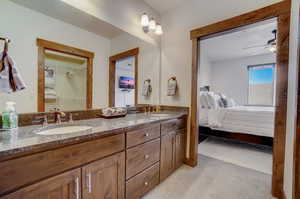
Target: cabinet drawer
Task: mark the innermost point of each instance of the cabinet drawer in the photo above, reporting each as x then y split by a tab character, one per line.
139	136
173	125
142	183
141	157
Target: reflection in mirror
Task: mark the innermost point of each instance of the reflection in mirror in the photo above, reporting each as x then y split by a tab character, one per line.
65	81
125	82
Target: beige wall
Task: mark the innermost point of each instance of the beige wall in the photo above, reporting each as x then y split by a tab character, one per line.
23	27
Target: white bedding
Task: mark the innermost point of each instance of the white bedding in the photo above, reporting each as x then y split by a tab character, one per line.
255	120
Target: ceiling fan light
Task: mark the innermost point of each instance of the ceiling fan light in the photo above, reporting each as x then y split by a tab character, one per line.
158	30
152	24
273	48
145	20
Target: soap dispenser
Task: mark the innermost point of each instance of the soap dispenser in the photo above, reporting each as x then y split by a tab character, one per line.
9	117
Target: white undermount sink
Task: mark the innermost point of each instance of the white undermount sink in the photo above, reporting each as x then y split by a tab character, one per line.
64	130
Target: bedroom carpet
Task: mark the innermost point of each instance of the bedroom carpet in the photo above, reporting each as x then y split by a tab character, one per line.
245	155
213	179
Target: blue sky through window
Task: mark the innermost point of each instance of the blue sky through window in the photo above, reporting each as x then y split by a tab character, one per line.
259	75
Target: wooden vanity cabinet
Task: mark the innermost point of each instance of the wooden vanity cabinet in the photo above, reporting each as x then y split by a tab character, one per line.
64	186
122	166
104	178
172	146
180	147
167	155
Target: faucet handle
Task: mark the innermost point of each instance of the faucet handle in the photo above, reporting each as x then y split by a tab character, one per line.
45	123
58	120
71	118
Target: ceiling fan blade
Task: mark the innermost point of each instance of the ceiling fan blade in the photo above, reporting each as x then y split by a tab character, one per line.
257	46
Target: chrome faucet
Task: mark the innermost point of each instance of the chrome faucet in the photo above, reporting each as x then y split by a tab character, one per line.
57	115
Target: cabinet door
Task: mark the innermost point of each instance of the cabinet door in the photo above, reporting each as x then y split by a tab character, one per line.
64	186
105	179
167	161
180	148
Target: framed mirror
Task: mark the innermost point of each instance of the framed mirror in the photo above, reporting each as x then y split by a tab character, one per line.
123	75
65	77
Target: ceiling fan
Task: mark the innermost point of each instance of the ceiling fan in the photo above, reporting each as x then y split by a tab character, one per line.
270	45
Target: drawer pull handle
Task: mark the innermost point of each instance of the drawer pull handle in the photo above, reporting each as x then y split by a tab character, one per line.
89	182
77	188
147	135
146	157
146	183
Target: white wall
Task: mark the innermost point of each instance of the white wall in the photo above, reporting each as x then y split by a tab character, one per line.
148	64
231	76
204	75
24	26
176	44
292	100
124	97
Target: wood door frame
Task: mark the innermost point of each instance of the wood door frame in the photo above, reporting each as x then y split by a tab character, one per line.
44	45
281	11
112	74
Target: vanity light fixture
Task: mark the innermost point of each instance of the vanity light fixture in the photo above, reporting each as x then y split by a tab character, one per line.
150	25
145	20
158	30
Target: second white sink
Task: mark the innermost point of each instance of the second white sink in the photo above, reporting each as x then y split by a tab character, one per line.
160	115
64	130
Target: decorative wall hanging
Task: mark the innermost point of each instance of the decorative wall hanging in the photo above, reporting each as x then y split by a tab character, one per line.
172	86
10	78
147	88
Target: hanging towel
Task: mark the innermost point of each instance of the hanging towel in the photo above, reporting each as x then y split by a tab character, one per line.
147	88
50	93
10	79
49	78
172	86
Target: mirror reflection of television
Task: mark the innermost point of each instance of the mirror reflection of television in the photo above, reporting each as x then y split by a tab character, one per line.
126	82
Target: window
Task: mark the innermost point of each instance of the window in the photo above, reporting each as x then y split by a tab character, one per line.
261	84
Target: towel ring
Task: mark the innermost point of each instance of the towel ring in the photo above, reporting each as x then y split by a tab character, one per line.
147	80
5	39
172	78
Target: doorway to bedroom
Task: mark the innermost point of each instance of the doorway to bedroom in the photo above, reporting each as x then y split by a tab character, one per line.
236	97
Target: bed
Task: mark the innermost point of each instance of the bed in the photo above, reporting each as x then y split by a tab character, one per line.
253	124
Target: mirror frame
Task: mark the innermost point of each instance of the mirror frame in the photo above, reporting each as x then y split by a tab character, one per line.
44	45
112	74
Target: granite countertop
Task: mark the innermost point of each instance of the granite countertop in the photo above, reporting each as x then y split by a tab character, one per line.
25	139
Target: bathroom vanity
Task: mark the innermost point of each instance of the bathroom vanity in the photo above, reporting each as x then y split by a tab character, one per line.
116	159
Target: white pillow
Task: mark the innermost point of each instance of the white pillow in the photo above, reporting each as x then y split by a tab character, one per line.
203	100
212	100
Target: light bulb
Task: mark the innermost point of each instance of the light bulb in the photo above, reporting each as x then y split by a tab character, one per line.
158	30
145	20
273	48
152	24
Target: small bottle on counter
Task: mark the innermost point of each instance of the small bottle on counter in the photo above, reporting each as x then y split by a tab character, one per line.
9	117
